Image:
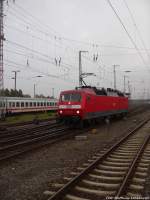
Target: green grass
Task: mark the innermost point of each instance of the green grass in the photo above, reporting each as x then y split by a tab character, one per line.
28	117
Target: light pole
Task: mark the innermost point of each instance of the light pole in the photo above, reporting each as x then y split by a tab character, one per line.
124	83
39	76
80	68
34	89
53	93
114	66
124	80
15	78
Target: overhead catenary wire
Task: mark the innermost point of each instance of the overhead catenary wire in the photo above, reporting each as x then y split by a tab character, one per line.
136	27
18	65
128	34
54	33
37	29
37	52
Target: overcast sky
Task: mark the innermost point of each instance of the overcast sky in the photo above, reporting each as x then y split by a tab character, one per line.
42	33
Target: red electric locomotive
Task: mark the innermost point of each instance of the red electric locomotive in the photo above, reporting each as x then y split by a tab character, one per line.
89	103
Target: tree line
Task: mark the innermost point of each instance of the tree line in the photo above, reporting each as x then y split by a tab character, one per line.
18	93
13	93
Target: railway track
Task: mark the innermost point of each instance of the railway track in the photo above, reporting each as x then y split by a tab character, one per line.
118	172
19	126
15	144
25	131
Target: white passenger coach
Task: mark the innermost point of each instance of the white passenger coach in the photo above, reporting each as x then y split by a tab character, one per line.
21	104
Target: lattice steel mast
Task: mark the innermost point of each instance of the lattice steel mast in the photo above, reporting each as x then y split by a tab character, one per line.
1	44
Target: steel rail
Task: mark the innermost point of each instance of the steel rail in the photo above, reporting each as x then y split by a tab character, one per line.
15	125
130	174
22	129
32	144
45	135
27	134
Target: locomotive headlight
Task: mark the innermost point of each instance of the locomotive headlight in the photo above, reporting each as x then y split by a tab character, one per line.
60	111
77	111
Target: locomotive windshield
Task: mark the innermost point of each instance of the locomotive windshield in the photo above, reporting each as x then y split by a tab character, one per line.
73	97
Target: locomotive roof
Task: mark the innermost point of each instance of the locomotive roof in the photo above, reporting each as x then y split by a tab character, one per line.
87	90
97	91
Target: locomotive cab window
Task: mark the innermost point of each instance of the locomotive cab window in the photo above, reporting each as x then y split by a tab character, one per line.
73	97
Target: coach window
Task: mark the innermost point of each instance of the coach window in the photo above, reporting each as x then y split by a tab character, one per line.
17	104
9	104
34	104
30	104
22	104
26	104
41	103
13	104
44	103
38	104
47	103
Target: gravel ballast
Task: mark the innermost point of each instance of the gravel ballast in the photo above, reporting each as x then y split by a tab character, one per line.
29	175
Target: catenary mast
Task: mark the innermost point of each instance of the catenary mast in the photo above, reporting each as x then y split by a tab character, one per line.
2	103
1	44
